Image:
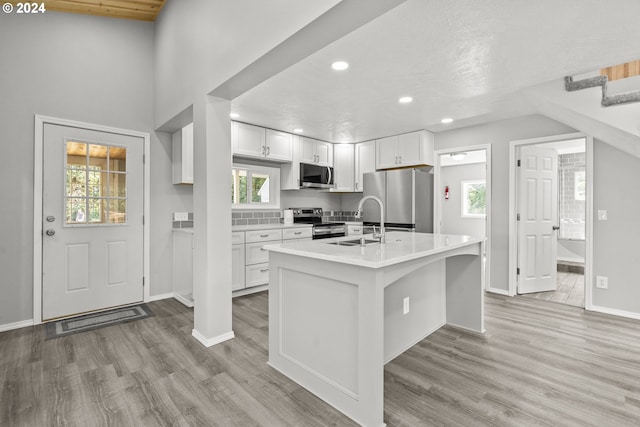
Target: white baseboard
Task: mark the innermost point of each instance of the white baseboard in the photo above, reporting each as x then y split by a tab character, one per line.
16	325
613	311
159	297
249	291
498	291
208	342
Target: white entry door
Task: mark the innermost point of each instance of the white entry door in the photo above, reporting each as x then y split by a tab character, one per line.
538	209
92	220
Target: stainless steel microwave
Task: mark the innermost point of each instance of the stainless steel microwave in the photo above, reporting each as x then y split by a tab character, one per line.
315	176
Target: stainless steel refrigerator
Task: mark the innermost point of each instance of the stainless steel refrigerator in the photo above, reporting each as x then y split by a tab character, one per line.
407	195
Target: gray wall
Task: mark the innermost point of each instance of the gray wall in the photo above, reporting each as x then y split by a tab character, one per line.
498	134
78	67
616	251
452	220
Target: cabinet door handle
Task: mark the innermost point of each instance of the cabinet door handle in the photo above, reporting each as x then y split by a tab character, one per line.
263	149
264	270
297	232
268	150
264	235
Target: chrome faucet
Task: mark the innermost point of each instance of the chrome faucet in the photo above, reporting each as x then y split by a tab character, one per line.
359	214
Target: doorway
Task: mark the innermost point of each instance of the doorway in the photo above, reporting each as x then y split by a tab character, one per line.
462	196
550	219
90	201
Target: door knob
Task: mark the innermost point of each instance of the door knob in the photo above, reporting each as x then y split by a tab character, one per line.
50	232
50	218
555	228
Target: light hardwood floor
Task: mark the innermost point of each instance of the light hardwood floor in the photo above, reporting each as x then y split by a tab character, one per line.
538	364
570	290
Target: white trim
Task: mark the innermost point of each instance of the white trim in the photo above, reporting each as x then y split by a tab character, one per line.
159	297
437	208
615	312
249	291
498	291
39	123
513	226
208	342
588	253
16	325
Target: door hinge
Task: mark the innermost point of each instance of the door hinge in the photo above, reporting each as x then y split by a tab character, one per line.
144	159
143	219
143	281
517	217
518	271
518	162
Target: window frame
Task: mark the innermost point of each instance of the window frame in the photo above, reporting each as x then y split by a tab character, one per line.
464	198
274	186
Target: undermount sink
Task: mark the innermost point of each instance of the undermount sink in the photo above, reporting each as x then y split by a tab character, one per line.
354	242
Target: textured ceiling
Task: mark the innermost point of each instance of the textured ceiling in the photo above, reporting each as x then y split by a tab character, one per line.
465	59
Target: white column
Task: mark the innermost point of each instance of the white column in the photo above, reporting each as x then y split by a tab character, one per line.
212	221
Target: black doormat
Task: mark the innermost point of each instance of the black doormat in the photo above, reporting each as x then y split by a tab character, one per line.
89	322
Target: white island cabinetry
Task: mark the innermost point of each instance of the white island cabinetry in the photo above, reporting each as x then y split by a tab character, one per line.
338	313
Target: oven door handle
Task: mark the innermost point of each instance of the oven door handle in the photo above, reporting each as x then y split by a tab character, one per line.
329	170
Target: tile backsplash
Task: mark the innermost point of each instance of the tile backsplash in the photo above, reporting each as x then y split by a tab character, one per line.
276	216
269	217
256	217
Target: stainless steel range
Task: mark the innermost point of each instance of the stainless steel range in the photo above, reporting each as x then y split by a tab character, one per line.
321	230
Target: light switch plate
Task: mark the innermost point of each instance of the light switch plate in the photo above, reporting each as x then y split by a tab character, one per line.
602	215
181	216
602	282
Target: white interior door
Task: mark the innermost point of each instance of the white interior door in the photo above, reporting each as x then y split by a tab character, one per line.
92	220
538	210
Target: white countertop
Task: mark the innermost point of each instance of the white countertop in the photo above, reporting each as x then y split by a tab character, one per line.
400	247
267	226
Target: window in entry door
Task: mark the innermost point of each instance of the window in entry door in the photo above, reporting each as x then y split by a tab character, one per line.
95	184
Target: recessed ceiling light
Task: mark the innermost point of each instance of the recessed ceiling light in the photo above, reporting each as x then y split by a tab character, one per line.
405	99
340	65
446	120
298	130
234	115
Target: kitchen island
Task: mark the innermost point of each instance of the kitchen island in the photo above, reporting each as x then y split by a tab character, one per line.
338	312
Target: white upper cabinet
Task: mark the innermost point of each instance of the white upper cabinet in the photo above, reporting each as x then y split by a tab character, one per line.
343	167
279	145
182	155
257	142
247	140
365	161
410	149
314	151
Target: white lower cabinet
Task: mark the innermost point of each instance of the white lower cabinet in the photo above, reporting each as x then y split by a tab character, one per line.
354	229
249	258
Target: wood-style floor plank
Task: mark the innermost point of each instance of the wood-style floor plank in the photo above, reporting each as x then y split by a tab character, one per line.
538	364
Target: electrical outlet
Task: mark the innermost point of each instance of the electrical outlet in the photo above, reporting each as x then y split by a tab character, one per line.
181	216
602	282
405	305
602	215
